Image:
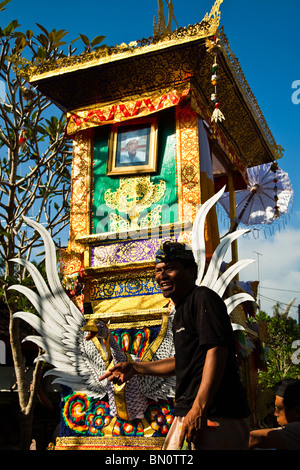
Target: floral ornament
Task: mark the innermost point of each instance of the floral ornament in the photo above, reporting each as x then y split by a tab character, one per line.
98	419
85	416
160	417
213	48
128	428
74	412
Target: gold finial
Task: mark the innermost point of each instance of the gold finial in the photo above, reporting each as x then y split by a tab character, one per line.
215	14
160	28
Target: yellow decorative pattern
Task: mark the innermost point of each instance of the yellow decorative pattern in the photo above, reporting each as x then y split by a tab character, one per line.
134	196
71	259
187	163
133	318
81	180
128	304
47	68
109	443
148	356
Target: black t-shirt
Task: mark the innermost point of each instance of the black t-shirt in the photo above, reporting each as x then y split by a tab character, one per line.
201	321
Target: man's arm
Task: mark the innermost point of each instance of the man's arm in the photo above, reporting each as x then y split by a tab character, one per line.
266	439
212	375
124	371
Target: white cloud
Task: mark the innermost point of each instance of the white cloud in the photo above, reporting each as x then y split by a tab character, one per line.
277	267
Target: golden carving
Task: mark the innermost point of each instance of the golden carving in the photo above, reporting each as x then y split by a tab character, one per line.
46	68
109	443
133	197
148	356
160	27
81	180
118	307
187	163
248	95
132	319
71	259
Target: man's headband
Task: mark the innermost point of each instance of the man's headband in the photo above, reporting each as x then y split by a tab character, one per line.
173	251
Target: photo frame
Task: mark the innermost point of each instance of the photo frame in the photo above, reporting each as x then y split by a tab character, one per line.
133	147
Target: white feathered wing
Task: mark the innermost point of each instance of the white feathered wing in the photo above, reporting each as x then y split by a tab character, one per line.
77	363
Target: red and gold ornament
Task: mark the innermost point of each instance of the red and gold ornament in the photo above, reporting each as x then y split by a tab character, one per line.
213	47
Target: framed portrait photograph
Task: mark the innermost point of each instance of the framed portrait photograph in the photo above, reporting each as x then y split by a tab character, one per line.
133	147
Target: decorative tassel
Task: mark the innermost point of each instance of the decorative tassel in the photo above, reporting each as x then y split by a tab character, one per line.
212	47
217	115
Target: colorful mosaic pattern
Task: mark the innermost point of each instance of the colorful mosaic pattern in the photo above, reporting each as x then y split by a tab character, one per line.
135	341
83	416
119	287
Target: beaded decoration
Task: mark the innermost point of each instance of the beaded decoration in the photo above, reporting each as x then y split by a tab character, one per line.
213	47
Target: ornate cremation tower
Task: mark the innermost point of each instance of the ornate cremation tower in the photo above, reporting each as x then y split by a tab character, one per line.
152	97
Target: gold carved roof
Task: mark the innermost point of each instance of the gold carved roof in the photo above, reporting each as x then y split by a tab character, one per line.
125	72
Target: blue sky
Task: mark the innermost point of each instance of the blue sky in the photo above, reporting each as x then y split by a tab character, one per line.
264	35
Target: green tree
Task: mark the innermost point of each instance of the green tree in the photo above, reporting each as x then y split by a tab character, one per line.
282	332
35	160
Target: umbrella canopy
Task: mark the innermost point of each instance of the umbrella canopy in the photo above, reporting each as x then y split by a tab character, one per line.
268	196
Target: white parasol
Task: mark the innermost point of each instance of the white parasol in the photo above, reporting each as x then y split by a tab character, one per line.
268	196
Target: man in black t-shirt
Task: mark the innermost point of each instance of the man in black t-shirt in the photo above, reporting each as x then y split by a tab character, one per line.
211	411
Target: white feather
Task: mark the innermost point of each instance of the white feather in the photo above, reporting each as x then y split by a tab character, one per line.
224	280
236	300
213	269
237	326
198	237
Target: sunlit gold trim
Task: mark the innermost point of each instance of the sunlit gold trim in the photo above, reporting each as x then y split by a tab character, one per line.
241	81
141	234
148	356
109	443
134	317
207	27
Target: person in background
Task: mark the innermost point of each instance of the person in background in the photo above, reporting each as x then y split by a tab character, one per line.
287	413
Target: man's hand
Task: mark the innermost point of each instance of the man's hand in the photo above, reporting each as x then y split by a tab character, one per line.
194	423
120	373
